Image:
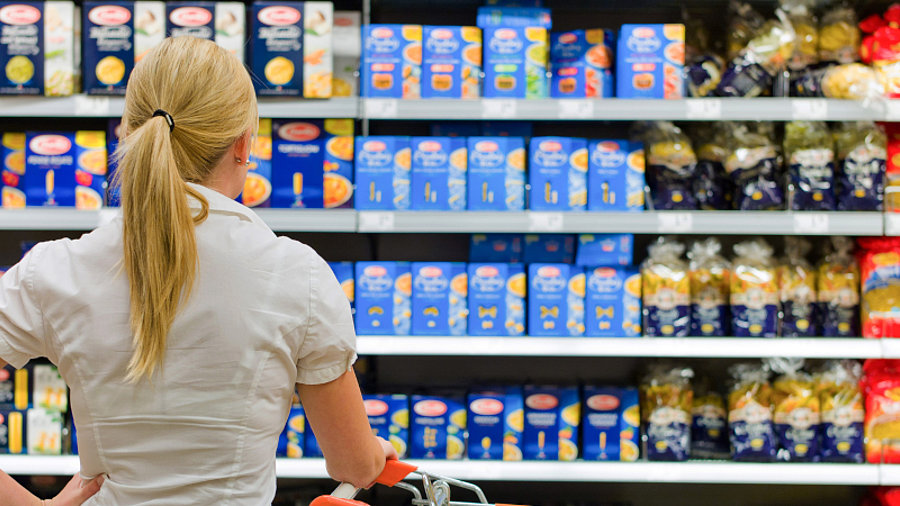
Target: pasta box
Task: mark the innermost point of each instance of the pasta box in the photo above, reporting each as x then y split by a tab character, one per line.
65	169
389	418
383	172
582	64
555	300
515	62
506	248
439	174
343	272
258	185
613	303
496	299
276	48
38	50
615	176
298	162
221	22
610	422
392	61
318	53
44	431
558	169
451	62
113	132
437	428
292	439
13	432
439	298
49	391
552	416
12	161
347	39
495	423
605	250
338	167
650	61
383	292
496	174
115	36
549	248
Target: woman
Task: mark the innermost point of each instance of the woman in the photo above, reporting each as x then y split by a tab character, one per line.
183	326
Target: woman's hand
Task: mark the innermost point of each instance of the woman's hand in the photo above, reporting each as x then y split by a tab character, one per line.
76	492
390	453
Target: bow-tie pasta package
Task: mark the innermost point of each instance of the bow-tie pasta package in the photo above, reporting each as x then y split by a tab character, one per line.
556	300
497	299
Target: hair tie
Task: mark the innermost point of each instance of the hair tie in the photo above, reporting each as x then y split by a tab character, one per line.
164	114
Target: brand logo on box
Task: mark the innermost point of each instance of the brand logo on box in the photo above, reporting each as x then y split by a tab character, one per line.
548	271
602	402
382	33
50	144
375	271
430	146
279	15
18	14
374	146
430	408
486	407
608	154
505	41
190	16
299	132
644	40
487	271
542	402
568	38
375	407
442	41
487	154
109	15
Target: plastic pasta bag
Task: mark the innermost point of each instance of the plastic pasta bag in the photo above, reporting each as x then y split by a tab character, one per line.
709	432
797	411
754	291
838	290
806	47
710	275
750	414
744	23
753	167
839	36
881	387
666	290
797	290
861	150
713	188
751	73
843	411
879	264
808	147
667	400
671	167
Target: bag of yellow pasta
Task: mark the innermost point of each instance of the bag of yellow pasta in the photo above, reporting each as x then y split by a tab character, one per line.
754	291
671	167
797	290
879	264
750	414
839	36
806	46
843	412
797	411
666	290
838	290
709	429
666	402
710	287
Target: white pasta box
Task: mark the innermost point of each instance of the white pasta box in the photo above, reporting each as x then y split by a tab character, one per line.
347	45
318	55
38	48
222	22
44	431
48	389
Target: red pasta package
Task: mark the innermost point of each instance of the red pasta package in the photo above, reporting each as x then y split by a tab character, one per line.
879	264
881	386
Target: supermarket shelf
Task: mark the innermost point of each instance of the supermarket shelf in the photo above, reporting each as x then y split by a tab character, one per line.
723	347
296	108
309	220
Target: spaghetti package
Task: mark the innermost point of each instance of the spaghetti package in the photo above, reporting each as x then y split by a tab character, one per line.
879	264
709	429
838	290
750	414
809	149
666	403
713	188
671	167
881	387
861	149
666	290
797	290
754	291
797	411
753	165
843	411
710	275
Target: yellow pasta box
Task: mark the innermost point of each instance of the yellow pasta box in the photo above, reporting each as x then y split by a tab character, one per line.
318	55
13	432
12	155
37	48
44	431
347	44
276	48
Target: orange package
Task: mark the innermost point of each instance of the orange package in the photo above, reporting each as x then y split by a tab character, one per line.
879	265
881	385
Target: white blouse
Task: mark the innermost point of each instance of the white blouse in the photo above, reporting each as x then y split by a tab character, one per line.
266	312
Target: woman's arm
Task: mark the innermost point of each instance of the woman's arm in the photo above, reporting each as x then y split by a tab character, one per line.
75	492
338	417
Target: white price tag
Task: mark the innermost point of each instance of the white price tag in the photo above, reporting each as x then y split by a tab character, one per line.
703	108
381	108
809	108
375	221
492	108
91	106
892	224
545	222
575	109
892	112
811	223
675	222
106	216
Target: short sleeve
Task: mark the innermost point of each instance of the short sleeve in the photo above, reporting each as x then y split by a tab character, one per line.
21	325
329	348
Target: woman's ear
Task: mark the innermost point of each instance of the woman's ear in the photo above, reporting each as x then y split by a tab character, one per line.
242	146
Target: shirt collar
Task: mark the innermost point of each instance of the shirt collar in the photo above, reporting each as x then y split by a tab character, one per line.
220	204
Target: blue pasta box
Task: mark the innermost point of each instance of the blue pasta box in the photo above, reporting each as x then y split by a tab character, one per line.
258	185
610	424
439	298
73	437
392	61
451	62
115	35
389	418
292	440
650	61
65	169
582	64
311	447
515	62
558	168
437	428
615	176
515	16
15	388
613	302
338	163
504	248
497	299
383	298
629	425
221	22
38	50
496	173
113	133
298	163
495	423
383	167
549	248
605	250
552	417
13	432
555	300
439	174
276	48
12	161
343	271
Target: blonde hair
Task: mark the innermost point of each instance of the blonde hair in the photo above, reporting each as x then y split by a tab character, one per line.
210	98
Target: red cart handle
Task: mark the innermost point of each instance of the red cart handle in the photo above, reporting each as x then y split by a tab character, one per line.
394	472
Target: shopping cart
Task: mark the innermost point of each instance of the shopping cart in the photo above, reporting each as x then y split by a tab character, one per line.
437	488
